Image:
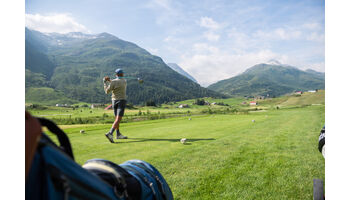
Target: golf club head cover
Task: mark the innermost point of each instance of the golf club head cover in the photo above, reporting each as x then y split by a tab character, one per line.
321	139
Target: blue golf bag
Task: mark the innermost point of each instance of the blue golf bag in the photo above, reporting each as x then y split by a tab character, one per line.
55	175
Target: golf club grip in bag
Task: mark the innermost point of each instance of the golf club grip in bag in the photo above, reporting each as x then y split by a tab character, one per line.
321	141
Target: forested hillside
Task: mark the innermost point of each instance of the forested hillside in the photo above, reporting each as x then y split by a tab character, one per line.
74	65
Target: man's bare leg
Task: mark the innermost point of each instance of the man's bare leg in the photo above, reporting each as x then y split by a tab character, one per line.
115	126
117	122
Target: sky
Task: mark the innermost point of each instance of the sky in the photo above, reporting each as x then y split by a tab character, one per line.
210	39
130	24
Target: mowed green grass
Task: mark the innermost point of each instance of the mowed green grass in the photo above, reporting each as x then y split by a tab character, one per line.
227	156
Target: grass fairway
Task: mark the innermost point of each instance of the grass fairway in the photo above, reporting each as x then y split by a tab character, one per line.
227	156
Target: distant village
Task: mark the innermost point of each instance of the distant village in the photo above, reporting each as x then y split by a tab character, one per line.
84	105
198	102
255	102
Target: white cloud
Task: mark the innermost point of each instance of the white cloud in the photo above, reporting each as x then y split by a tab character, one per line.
163	4
316	66
201	48
241	41
211	36
314	32
209	23
286	35
212	66
279	34
59	23
172	39
310	31
165	11
317	37
312	26
212	28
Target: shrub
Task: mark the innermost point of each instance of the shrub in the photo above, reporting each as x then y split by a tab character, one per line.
199	102
37	107
130	106
150	103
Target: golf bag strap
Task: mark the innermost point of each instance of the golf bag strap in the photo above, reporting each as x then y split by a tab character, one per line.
62	137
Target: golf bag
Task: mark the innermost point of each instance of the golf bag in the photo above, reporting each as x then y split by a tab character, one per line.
55	175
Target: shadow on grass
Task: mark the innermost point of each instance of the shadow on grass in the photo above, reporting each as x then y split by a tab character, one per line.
188	142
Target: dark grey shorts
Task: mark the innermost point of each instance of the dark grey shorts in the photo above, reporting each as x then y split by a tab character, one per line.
119	107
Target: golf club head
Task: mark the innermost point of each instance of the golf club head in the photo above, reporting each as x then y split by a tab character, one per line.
140	80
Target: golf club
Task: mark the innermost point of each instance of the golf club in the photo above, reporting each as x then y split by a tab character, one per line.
133	78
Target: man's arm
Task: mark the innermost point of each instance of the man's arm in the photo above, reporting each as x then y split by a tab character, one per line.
107	85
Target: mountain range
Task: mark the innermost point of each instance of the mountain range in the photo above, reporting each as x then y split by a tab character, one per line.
68	68
73	65
272	79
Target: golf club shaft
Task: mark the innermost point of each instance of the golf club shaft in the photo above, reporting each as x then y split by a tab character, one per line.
127	77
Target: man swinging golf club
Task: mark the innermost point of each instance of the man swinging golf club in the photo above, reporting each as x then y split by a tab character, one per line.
118	88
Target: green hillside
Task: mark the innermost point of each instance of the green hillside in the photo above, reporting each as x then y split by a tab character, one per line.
305	99
272	80
37	61
46	95
80	63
